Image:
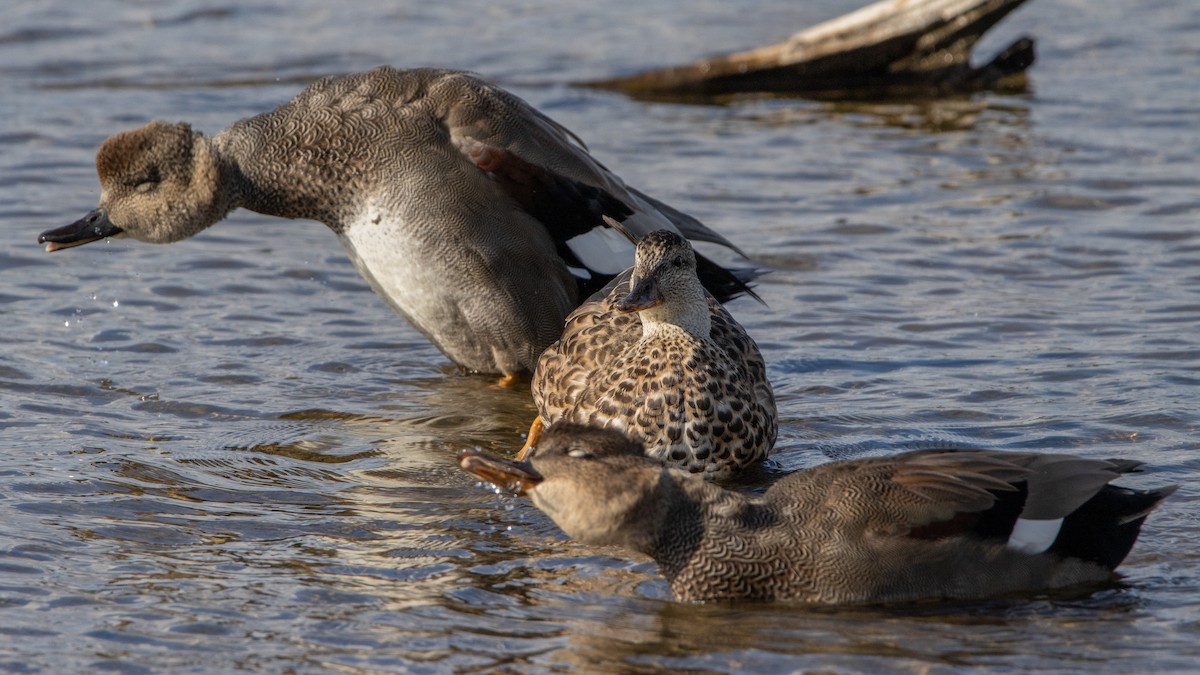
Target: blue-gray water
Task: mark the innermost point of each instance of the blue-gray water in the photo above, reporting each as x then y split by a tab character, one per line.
228	454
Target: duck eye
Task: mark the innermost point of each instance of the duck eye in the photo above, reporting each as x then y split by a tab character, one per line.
678	261
147	180
579	454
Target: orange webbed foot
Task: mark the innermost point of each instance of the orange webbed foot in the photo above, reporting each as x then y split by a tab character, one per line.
535	432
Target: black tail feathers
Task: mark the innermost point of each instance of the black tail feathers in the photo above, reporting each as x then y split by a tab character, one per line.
1105	528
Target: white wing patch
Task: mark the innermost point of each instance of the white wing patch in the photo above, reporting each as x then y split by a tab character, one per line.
603	250
580	272
1034	536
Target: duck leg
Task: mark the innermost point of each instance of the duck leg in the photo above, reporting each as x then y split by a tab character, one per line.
535	432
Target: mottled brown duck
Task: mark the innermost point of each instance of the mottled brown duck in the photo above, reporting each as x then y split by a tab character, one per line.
657	357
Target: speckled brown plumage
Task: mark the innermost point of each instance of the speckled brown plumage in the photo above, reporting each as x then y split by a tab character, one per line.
458	202
683	377
918	525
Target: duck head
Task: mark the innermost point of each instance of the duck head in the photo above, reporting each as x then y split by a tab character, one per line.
596	484
664	288
159	183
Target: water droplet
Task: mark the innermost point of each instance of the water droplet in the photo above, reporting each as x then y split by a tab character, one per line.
116	303
67	324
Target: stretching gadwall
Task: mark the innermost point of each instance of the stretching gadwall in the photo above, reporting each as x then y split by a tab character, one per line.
959	524
476	216
660	359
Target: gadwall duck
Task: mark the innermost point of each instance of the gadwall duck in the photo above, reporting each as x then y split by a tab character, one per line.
476	216
961	524
657	357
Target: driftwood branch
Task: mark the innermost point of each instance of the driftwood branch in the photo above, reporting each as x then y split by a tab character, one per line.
891	48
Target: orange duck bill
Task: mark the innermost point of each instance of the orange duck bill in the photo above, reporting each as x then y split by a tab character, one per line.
516	477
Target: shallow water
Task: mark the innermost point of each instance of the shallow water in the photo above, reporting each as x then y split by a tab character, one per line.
228	454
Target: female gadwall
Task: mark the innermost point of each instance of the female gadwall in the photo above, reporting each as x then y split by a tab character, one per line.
927	524
660	359
477	217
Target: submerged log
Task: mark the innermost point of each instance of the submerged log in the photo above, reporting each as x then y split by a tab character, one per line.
889	49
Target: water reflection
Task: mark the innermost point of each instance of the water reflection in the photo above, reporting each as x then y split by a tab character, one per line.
228	454
934	115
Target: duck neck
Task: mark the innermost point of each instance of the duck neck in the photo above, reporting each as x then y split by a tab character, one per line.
691	518
707	529
263	180
220	178
688	310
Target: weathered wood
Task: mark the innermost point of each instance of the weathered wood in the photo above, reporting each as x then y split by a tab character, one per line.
891	48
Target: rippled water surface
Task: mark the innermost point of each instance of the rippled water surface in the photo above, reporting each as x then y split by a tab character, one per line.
227	453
